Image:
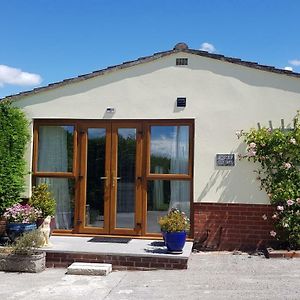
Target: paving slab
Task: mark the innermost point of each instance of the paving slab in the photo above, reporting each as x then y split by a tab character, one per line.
92	269
135	247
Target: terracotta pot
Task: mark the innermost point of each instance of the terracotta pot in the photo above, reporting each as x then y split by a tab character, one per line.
2	226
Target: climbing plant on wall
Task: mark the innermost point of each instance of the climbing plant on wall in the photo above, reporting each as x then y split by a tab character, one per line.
14	135
278	154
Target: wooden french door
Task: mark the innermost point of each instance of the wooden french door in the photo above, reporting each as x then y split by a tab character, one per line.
110	178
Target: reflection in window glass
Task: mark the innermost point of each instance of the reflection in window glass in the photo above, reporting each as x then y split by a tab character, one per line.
62	190
169	149
55	148
126	178
162	195
95	184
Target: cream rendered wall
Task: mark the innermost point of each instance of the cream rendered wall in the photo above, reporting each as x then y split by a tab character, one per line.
221	97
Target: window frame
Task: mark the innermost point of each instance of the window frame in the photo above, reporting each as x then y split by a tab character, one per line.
151	176
163	176
62	122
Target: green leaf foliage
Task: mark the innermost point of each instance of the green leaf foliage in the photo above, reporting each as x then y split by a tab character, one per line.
174	221
43	200
14	135
278	152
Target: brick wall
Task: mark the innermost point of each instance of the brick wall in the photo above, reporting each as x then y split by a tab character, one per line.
119	262
231	226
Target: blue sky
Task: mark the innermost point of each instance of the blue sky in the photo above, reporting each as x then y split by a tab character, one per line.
47	41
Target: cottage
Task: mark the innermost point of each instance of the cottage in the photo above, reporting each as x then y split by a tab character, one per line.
120	146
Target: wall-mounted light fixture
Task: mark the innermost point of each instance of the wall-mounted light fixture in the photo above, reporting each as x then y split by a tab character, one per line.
181	102
110	110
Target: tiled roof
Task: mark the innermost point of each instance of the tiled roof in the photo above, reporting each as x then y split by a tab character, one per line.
180	47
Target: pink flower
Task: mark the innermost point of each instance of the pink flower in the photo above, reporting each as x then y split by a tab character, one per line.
287	165
269	130
252	145
264	217
251	153
275	216
298	200
272	233
290	202
280	208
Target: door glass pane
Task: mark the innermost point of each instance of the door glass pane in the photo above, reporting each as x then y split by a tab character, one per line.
95	185
169	149
126	178
162	195
55	148
62	190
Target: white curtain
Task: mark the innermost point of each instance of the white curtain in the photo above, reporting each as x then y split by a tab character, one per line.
180	190
53	157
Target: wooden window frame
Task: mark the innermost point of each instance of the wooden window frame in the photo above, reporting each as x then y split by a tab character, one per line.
145	162
56	122
69	175
151	176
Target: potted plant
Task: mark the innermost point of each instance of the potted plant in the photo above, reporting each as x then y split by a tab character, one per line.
20	218
23	255
43	200
174	227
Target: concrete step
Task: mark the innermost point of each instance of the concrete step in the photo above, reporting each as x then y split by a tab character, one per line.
95	269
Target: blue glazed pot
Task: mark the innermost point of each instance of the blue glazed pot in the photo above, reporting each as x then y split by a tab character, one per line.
14	230
175	241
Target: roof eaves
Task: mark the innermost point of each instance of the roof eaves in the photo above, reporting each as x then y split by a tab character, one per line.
245	63
93	74
150	58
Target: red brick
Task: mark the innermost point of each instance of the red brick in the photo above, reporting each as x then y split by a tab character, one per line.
142	264
242	224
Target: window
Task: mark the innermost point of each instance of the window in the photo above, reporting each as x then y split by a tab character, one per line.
169	171
54	163
55	148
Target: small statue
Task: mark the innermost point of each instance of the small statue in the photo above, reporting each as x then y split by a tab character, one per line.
45	230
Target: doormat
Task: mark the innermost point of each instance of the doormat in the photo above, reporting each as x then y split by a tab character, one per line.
109	240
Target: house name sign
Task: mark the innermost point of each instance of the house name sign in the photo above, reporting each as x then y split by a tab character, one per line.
227	160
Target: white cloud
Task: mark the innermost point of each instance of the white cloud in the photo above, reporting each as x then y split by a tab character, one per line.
208	47
14	76
288	68
295	62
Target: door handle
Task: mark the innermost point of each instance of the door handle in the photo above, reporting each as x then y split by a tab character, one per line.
106	180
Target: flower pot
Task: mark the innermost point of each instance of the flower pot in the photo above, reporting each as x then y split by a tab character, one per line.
175	241
14	230
2	227
32	263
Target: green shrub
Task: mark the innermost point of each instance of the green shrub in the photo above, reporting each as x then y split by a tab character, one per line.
28	243
14	135
278	152
42	199
174	221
